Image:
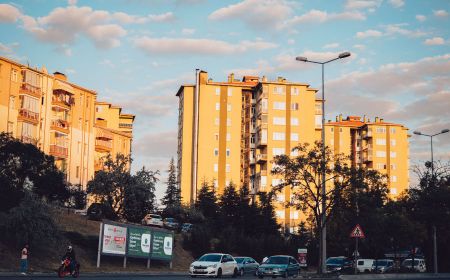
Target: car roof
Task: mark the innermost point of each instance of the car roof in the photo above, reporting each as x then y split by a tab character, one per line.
286	256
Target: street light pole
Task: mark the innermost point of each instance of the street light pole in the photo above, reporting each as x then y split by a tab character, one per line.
323	234
435	266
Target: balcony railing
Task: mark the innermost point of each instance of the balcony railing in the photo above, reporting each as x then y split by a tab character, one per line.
252	160
28	139
28	115
59	151
261	157
367	158
367	134
104	135
103	145
60	125
34	91
126	125
63	101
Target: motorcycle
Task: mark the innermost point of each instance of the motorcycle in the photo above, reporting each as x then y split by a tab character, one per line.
64	269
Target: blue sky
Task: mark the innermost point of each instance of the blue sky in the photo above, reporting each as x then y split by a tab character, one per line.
136	53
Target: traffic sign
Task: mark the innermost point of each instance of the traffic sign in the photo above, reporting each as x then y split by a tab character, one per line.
357	232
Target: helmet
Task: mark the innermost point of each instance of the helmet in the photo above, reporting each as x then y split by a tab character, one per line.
69	248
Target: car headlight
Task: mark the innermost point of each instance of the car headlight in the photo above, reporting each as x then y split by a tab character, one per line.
212	265
338	268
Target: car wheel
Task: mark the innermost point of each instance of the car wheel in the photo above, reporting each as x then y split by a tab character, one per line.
241	272
219	273
235	272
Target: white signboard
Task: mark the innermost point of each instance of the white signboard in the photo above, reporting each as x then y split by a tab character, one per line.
114	239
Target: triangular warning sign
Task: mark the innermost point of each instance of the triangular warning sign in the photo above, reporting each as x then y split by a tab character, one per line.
357	232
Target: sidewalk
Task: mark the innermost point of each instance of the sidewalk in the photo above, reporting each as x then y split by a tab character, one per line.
395	276
98	274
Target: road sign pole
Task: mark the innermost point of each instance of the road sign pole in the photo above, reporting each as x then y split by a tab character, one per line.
356	255
100	236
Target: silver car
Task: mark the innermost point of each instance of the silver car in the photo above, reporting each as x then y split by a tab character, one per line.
246	265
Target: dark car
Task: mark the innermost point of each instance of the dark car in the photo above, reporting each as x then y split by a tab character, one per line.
383	266
339	265
279	266
246	265
171	223
186	227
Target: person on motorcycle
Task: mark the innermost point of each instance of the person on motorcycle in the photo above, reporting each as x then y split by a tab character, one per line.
70	255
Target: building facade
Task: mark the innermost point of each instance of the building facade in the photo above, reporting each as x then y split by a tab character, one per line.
57	116
230	132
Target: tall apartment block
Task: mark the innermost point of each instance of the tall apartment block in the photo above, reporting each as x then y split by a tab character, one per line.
230	131
61	118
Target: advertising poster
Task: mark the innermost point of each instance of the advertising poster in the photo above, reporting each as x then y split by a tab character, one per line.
139	242
114	239
302	254
162	245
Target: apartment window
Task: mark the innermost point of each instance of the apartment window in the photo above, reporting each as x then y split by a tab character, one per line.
393	142
227	183
318	121
393	166
332	142
217	106
393	179
14	75
228	122
27	129
280	197
216	136
294	136
217	90
280	214
278	90
216	184
294	121
10	127
393	154
381	142
216	121
279	120
263	181
216	167
381	154
295	91
381	130
229	107
228	137
381	166
294	106
228	168
393	130
77	173
88	101
216	152
276	182
278	136
252	139
393	191
228	152
12	99
279	105
294	153
278	151
230	92
332	129
79	147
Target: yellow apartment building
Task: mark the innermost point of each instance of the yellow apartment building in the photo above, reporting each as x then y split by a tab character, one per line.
377	145
230	131
57	116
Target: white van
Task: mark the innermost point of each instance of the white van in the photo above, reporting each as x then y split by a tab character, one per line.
365	265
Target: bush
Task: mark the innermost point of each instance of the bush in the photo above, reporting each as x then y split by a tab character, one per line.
30	222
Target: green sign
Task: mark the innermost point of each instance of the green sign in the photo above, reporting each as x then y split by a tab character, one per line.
139	242
162	244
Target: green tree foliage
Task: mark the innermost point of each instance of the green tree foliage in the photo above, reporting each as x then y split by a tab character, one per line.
172	198
229	206
77	197
207	201
24	167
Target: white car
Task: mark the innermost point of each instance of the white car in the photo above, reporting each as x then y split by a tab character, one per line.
214	264
152	220
419	265
365	265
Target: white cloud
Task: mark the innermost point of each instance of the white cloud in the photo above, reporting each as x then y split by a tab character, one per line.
359	47
256	13
421	18
317	16
129	19
434	41
9	13
8	48
187	31
291	42
362	4
331	46
368	33
441	13
198	46
397	3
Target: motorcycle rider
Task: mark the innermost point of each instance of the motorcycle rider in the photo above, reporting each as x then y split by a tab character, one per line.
70	255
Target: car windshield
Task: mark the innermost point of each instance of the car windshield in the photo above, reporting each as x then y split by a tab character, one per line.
155	217
239	260
380	263
277	260
409	262
334	261
210	258
170	220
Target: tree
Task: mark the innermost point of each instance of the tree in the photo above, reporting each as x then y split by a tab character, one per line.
303	174
207	201
229	206
172	197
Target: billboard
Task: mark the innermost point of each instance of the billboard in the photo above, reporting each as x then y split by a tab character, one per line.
162	245
138	242
114	239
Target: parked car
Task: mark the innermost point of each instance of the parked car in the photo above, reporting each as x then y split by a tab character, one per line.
279	266
365	265
99	211
246	265
419	265
215	264
339	265
382	265
171	223
152	220
186	227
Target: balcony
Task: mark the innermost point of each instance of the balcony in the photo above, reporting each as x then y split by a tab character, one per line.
262	125
60	126
126	125
263	95
261	158
104	135
367	158
31	90
27	115
28	139
103	145
260	141
263	173
252	160
59	151
62	100
367	134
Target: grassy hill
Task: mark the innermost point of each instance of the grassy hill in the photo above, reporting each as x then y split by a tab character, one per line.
83	235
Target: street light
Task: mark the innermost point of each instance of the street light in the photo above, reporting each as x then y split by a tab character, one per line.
435	268
323	242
